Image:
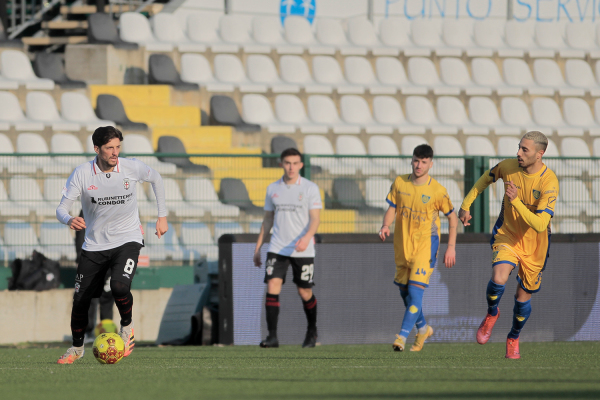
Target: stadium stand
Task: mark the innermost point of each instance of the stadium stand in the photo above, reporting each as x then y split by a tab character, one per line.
51	66
162	71
16	67
223	111
109	107
102	30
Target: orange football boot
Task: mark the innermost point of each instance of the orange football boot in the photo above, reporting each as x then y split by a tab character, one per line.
71	355
512	348
485	329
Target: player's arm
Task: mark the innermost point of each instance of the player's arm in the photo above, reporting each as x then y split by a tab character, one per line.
482	183
539	220
265	228
70	192
388	219
147	174
450	256
315	219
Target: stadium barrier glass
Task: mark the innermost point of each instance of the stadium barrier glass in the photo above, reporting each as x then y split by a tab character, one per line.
228	197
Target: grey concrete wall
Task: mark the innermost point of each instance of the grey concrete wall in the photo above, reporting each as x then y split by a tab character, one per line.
45	316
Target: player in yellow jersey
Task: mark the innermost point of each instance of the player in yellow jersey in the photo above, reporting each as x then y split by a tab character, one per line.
415	201
521	236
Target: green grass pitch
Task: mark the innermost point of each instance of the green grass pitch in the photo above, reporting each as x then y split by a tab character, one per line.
451	371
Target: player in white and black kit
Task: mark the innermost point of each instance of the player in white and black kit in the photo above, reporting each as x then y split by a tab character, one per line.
113	232
292	206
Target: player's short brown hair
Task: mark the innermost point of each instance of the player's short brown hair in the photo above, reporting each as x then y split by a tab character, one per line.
423	151
540	140
290	152
105	134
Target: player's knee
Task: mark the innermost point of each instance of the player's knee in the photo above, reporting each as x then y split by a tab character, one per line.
305	293
119	289
500	276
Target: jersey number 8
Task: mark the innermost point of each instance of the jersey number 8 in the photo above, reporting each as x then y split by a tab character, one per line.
129	266
307	272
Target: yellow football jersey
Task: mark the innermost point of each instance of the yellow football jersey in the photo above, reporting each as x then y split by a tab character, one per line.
417	232
538	192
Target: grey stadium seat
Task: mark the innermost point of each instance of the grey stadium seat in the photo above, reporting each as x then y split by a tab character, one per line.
204	120
348	196
162	71
110	108
281	143
171	144
102	30
51	66
223	111
233	191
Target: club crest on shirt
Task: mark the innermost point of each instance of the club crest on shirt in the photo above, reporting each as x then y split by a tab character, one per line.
536	194
126	183
494	256
300	196
425	199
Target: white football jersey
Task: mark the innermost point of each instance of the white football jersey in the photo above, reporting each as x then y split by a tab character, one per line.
109	201
291	204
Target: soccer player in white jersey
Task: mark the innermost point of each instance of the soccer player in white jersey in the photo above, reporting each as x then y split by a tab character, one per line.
113	232
292	208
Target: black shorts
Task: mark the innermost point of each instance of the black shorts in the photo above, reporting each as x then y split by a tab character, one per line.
302	268
92	269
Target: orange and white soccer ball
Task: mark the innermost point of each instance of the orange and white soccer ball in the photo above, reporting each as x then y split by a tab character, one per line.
109	348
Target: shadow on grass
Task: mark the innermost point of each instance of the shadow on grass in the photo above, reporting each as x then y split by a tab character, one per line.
563	394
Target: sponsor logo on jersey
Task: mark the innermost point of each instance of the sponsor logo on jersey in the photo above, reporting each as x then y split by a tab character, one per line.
127	276
494	256
274	195
425	199
78	277
300	196
92	187
111	200
536	194
77	286
126	183
108	175
403	193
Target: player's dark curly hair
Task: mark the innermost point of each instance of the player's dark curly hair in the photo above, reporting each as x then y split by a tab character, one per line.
105	134
423	151
290	152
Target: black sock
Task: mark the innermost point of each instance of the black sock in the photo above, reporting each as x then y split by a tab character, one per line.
123	301
310	309
272	308
79	321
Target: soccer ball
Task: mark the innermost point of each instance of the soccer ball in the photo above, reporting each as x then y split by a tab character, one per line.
109	348
105	326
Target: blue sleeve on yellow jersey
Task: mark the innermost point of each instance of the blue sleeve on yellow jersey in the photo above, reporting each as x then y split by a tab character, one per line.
391	197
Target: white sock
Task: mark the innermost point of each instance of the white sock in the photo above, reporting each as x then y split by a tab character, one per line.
403	338
422	330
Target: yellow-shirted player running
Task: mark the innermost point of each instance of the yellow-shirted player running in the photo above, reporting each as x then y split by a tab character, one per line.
521	236
415	201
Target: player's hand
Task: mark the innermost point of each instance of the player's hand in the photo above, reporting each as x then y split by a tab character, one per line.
256	259
77	223
161	226
450	257
301	245
511	190
464	216
384	232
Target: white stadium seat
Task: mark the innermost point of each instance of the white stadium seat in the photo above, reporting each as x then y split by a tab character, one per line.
15	66
549	37
13	164
26	192
166	246
9	208
456	196
198	241
298	31
571	225
484	112
56	241
167	29
419	111
454	72
229	69
573	198
362	34
547	74
387	111
290	110
359	72
458	33
135	27
42	108
20	238
451	111
76	107
376	192
256	109
385	146
268	31
139	144
508	147
319	145
201	31
410	142
234	29
355	110
322	111
262	70
518	74
486	74
422	72
448	146
489	34
327	71
578	114
227	227
546	113
294	70
390	72
479	146
352	146
146	207
579	74
427	33
195	68
201	192
11	114
515	113
175	202
520	36
581	36
395	32
53	187
577	147
36	144
331	33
